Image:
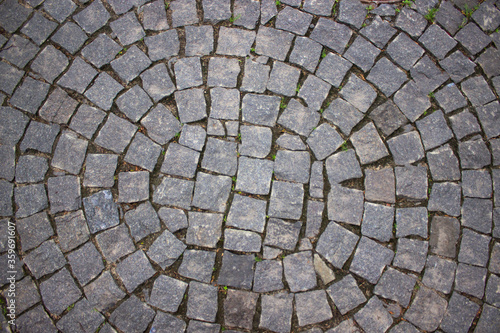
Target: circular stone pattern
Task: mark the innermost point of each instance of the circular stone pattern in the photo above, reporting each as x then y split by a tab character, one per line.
250	166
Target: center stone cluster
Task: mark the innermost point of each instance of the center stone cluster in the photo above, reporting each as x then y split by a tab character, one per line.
181	166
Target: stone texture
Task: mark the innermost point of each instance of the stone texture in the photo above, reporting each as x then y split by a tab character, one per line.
346	294
336	244
239	308
134	270
427	309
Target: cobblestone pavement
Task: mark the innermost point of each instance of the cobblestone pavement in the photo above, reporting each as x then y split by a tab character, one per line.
250	166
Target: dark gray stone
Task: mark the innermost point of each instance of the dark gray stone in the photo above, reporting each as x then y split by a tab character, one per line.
342	114
387	76
225	103
379	32
174	192
69	153
273	43
133	186
154	16
324	140
298	118
161	124
10	77
132	316
202	327
487	16
292	166
380	185
470	280
489	61
286	200
242	241
412	101
345	204
19	51
247	213
191	105
30	95
254	176
427	310
404	51
312	307
411	221
59	292
472	38
492	294
236	271
434	130
256	141
180	161
204	229
449	17
358	93
276	314
478	92
30	199
81	317
362	53
202	301
131	64
157	82
268	10
198	265
78	77
6	191
134	270
255	77
494	265
352	12
346	294
290	142
314	91
188	73
474	248
476	183
215	127
378	221
374	317
439	274
223	72
103	91
100	170
406	148
336	244
260	109
103	293
323	7
246	13
488	322
343	166
368	144
64	193
193	137
13	15
489	118
143	152
174	219
101	211
395	286
306	53
370	259
239	308
70	36
437	41
477	214
411	22
268	276
427	75
333	68
116	134
142	221
473	154
411	254
165	322
35	320
459	315
86	263
299	271
458	66
30	169
450	99
59	107
128	29
86	120
281	234
50	63
445	197
26	227
443	164
293	20
184	12
167	293
283	79
236	42
115	243
72	230
101	50
216	10
164	45
331	34
27	294
211	192
316	182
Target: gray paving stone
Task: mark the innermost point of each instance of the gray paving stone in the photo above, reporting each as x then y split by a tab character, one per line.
103	91
154	16
59	9
346	294
326	29
458	66
449	17
293	20
472	38
443	164
143	152
333	68
180	161
306	53
204	229
103	293
396	286
115	243
380	185
470	280
198	265
256	141
370	260
404	51
293	3
174	192
298	118
59	107
255	77
188	72
314	91
202	327
100	170
132	315
59	292
10	77
345	204
215	11
232	128
434	130
268	276
439	274
260	109
157	82
276	314
19	51
236	42
374	317
163	45
316	182
30	95
268	10
323	8
459	315
237	270
299	271
378	221
473	154
474	248
427	309
31	169
286	200
324	140
291	142
191	105
411	22
25	228
168	293
282	234
273	43
86	120
246	13
242	241
387	76
101	50
342	114
27	294
488	118
69	153
336	244
437	41
72	230
362	53
13	15
476	183
115	134
134	270
487	16
412	101
292	166
199	40
81	316
445	197
477	214
64	193
223	72
220	156
184	13
165	322
488	322
78	77
70	36
358	93
239	308
86	263
133	186
174	219
489	61
494	265
450	98
36	319
343	166
127	29
50	63
492	294
30	199
142	221
406	148
411	182
427	75
477	91
254	175
101	211
312	307
283	79
193	137
247	213
368	144
347	325
352	12
215	127
379	32
411	254
7	191
131	64
161	124
411	221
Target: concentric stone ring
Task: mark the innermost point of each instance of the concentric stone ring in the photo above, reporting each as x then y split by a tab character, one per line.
249	166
